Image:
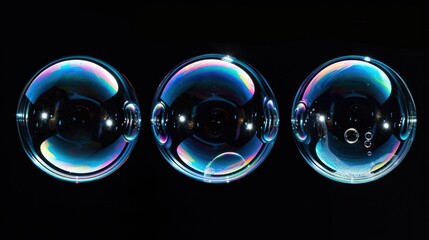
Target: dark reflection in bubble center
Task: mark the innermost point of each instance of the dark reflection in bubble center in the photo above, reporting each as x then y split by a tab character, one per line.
216	121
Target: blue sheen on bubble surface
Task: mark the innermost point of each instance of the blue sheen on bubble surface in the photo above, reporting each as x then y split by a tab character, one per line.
354	119
78	119
214	118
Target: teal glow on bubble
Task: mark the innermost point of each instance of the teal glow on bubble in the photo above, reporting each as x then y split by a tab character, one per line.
78	119
214	118
354	119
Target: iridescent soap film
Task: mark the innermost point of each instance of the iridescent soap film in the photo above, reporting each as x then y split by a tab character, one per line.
354	119
78	119
214	118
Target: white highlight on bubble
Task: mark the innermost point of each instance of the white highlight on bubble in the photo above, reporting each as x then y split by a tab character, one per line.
386	125
227	59
44	115
109	122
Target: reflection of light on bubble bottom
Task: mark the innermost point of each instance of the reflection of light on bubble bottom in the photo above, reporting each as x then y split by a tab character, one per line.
361	166
223	164
220	161
80	159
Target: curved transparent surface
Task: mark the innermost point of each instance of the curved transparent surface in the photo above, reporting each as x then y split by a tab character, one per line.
354	119
78	119
214	118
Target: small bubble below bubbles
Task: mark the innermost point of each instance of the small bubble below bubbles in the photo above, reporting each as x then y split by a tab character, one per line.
368	135
351	135
367	143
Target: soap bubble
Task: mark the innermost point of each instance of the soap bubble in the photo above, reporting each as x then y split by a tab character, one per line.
78	119
214	118
353	119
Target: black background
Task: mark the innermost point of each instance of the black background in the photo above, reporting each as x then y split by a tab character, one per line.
146	198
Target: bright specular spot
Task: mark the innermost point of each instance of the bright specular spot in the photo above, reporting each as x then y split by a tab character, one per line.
109	122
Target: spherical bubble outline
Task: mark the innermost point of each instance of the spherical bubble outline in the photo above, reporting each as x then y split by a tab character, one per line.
251	162
115	81
391	83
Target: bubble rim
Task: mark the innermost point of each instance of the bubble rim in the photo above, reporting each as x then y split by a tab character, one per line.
398	80
26	140
257	160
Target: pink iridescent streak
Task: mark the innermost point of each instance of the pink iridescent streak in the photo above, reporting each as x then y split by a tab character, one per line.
246	79
83	64
97	70
329	69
